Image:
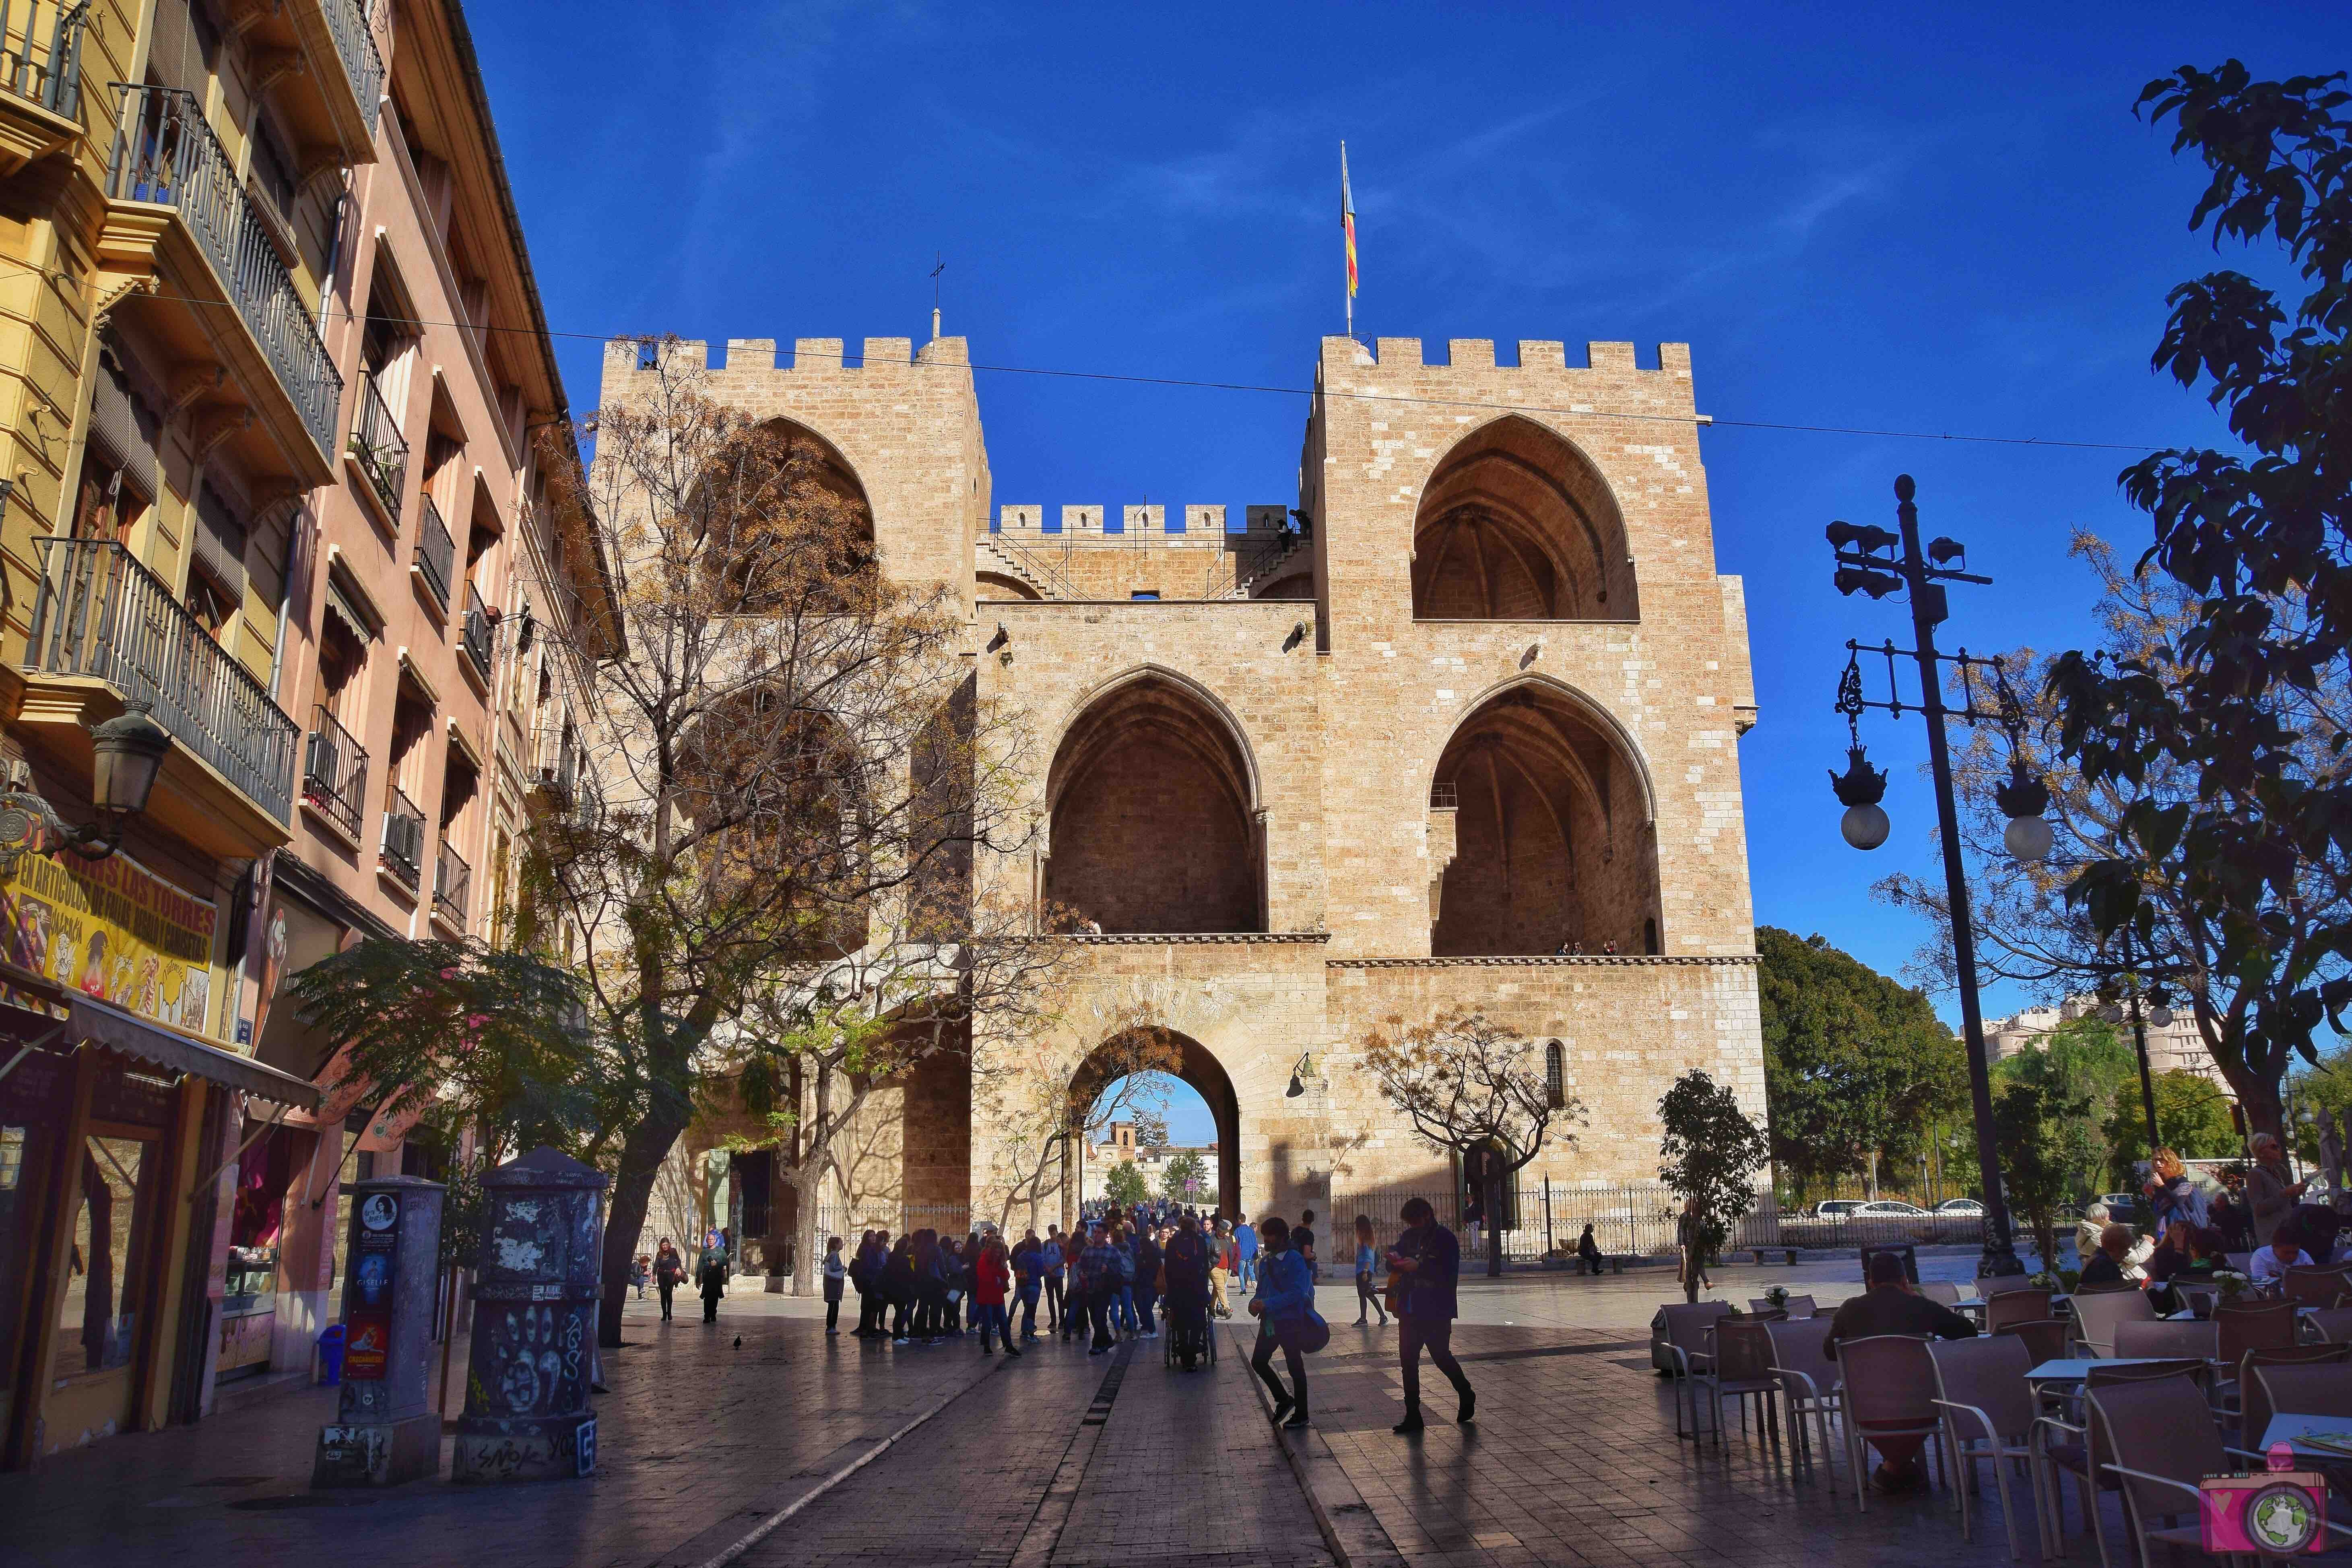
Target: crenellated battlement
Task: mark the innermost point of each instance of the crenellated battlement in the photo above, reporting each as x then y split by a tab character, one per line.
1197	525
1534	355
810	357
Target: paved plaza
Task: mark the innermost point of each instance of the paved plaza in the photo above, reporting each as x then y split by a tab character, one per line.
1056	1459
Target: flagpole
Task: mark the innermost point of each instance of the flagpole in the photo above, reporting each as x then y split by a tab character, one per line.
1348	227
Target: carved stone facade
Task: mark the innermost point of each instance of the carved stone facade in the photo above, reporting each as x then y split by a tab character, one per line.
1456	730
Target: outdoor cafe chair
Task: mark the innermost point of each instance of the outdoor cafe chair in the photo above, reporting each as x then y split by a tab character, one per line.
2158	1440
2015	1307
2082	1449
1802	1307
1809	1383
2305	1387
2332	1324
1942	1290
2045	1338
2239	1262
1890	1392
1989	1414
2314	1287
2165	1338
1688	1347
1743	1369
2096	1315
2265	1325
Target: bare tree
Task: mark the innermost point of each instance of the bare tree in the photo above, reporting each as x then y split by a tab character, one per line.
1471	1087
783	750
2027	928
809	1055
1039	1097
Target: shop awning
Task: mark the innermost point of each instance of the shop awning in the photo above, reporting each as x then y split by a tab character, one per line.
92	1022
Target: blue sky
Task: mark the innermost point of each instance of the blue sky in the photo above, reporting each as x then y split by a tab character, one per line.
1857	216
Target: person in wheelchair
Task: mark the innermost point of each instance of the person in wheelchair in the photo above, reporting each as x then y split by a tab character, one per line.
1184	1264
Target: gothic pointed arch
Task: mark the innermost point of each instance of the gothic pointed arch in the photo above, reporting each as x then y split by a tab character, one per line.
1194	1063
1554	849
1517	523
1153	804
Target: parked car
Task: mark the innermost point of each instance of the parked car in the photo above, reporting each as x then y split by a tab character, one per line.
1834	1208
1890	1206
1961	1206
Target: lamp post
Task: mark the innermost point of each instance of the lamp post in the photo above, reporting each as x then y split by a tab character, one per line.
127	752
1877	563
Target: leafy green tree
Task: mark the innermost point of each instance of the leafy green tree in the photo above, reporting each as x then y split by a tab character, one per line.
2326	1085
1176	1183
2032	1113
1858	1070
2080	1068
2192	1119
1710	1151
1125	1185
2212	737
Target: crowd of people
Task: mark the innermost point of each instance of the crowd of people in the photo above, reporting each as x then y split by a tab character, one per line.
1152	1269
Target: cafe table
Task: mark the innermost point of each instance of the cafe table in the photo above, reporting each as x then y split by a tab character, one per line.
2070	1370
2294	1430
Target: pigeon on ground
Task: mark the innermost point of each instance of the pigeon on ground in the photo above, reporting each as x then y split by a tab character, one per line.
739	1342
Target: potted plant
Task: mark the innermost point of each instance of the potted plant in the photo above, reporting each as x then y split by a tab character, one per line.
1779	1296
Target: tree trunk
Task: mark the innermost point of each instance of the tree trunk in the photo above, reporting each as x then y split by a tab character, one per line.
642	1153
808	1262
1494	1230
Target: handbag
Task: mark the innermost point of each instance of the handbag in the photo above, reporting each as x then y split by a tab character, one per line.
1311	1334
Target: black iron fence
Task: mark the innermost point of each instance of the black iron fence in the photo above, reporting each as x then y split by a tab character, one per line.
450	877
165	153
334	773
99	613
380	448
1638	1219
40	53
436	552
404	837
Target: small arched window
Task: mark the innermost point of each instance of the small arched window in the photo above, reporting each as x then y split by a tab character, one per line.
1555	1074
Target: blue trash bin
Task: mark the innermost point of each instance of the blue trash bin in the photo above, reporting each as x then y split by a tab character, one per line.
331	1356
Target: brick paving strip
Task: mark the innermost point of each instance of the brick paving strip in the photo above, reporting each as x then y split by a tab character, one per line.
1346	1521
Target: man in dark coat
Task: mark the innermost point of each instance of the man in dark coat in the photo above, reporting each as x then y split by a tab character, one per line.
711	1279
1430	1258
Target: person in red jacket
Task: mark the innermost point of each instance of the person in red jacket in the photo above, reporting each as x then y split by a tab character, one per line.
993	1273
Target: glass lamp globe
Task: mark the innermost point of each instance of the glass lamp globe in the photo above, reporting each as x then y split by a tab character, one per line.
2028	837
2161	1015
1864	827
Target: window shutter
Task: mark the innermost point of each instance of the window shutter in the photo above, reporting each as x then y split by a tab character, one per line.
122	427
220	541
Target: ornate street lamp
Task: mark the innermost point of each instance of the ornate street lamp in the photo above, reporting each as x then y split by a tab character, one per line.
1877	562
128	753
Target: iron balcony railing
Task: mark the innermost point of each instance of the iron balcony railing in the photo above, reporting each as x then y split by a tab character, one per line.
559	757
377	443
473	632
450	876
362	61
404	836
334	773
100	614
40	53
436	552
165	153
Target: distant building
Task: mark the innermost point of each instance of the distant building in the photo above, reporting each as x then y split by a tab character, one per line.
2173	1045
1119	1147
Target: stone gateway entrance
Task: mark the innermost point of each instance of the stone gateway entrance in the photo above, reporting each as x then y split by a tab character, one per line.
1456	727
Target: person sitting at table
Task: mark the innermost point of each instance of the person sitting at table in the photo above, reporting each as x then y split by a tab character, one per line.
2284	1252
1891	1306
2106	1265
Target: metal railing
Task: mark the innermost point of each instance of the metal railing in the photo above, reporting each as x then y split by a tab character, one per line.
1443	796
436	552
377	443
1049	577
559	757
1255	561
334	773
166	154
450	876
100	614
43	63
362	61
404	836
473	632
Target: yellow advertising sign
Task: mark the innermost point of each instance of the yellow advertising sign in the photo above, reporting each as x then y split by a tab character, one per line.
113	930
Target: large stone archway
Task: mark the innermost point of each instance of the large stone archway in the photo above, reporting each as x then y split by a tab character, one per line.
1552	843
1516	523
1196	1066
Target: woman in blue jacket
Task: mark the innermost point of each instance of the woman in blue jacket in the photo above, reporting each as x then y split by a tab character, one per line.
1285	1294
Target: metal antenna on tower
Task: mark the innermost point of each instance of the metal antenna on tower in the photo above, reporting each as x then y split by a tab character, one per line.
942	267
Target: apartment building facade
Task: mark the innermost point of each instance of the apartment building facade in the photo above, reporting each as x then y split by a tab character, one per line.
273	376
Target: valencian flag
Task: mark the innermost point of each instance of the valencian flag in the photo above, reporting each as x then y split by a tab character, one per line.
1347	220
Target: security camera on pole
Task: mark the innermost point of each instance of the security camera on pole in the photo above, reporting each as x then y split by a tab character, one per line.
1877	563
